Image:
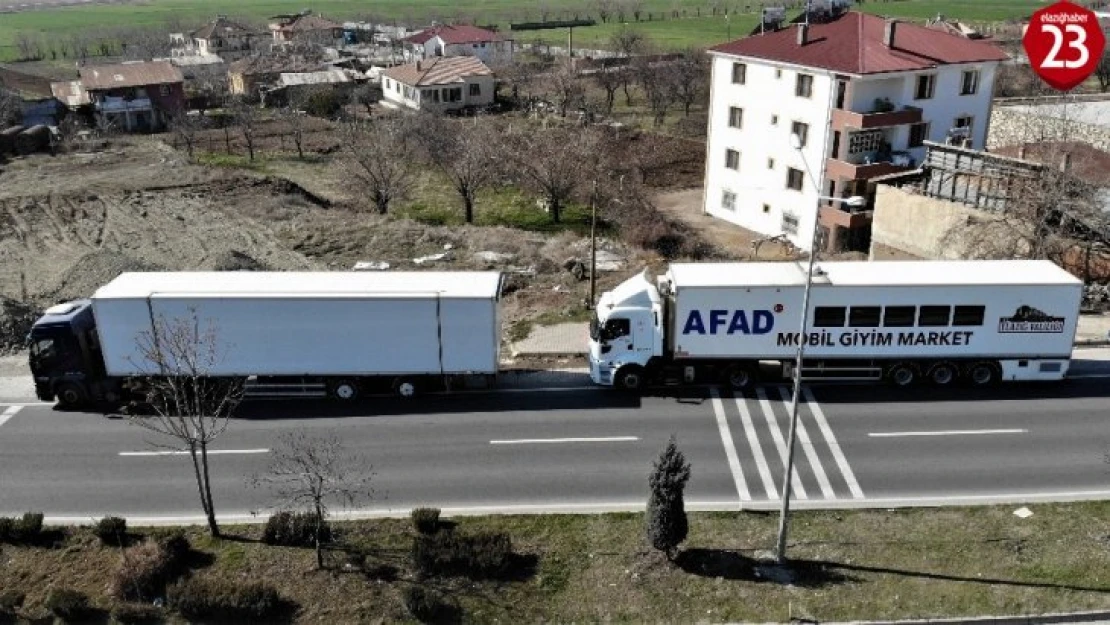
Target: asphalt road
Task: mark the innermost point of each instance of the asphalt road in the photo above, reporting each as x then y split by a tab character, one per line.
582	449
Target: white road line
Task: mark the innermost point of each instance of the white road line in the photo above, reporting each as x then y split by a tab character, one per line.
780	444
26	404
8	414
757	449
811	453
834	447
730	448
947	433
211	452
603	439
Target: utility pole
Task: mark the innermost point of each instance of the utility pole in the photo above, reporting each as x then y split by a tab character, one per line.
593	245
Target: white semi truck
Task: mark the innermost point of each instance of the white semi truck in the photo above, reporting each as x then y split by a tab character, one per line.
942	322
284	333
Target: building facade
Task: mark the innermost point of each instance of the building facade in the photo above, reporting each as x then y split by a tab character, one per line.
459	40
861	93
137	96
438	84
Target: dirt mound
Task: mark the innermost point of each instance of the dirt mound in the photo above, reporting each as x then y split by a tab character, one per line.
15	322
233	260
94	270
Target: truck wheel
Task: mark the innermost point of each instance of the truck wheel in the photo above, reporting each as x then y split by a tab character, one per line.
70	394
983	374
739	377
630	378
404	387
344	390
942	374
901	374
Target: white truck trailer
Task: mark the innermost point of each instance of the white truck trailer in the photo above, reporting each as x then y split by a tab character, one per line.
977	321
286	333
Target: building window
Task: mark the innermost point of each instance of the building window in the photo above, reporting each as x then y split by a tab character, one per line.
435	95
926	83
732	159
766	208
803	86
475	90
774	120
728	200
790	223
965	121
794	179
770	163
969	83
918	134
739	73
453	94
866	141
163	90
387	83
802	130
735	117
778	73
829	316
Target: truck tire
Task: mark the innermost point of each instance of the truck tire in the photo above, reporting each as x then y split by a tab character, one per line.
405	387
943	374
344	390
983	373
901	374
629	378
70	394
739	377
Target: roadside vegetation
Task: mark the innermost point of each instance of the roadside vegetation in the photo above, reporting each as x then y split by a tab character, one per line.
845	565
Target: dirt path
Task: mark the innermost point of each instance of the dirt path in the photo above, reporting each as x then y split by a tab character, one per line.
685	206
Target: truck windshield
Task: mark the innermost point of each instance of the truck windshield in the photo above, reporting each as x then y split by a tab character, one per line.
42	349
615	328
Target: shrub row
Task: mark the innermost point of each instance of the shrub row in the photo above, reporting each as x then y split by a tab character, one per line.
426	520
483	554
294	529
69	605
21	530
146	569
111	530
214	599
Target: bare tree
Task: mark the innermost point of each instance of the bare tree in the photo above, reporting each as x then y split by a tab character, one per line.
11	108
185	128
658	84
28	47
689	78
246	119
469	158
179	356
553	162
294	116
313	472
367	95
378	160
1102	72
566	89
604	10
610	80
628	41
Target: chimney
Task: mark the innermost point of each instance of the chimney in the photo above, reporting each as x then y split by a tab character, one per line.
803	34
1065	162
418	66
888	33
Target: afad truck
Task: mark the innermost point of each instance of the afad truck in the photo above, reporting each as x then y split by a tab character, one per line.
939	322
282	333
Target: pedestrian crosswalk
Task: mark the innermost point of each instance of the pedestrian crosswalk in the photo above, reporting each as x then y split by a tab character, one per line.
755	429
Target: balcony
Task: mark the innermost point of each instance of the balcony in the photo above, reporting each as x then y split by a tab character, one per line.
121	105
844	120
830	216
836	168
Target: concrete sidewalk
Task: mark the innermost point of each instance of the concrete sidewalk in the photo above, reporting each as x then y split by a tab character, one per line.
568	340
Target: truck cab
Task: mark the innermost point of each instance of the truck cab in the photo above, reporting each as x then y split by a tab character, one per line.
65	355
626	333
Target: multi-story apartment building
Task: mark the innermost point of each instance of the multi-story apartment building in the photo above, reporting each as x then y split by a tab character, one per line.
861	93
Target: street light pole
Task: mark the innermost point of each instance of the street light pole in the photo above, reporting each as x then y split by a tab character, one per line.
787	489
593	245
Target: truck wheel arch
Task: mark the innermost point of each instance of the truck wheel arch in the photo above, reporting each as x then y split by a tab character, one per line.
70	394
344	389
943	373
901	374
629	378
739	376
984	373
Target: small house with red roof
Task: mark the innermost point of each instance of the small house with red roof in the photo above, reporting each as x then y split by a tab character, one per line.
438	84
459	40
862	94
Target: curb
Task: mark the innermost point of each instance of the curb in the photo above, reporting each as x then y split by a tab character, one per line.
1042	619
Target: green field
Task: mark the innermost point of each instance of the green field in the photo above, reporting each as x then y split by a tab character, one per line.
690	30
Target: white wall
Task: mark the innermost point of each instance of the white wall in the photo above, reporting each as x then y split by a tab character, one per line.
763	96
422	98
493	50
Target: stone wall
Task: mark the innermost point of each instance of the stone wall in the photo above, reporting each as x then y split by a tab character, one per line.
908	225
1011	127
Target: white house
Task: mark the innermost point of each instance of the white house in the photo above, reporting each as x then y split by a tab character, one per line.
861	92
459	40
438	84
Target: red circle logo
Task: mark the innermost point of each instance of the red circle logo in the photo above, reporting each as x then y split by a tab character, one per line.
778	308
1064	43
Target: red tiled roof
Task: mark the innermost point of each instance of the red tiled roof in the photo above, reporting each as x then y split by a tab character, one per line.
461	33
221	26
853	44
440	70
129	75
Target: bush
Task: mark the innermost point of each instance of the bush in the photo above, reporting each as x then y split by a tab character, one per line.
485	554
7	529
10	602
427	606
111	530
666	523
136	614
204	599
426	520
294	529
143	573
176	547
28	528
68	605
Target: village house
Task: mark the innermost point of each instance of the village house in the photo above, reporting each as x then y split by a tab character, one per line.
133	96
306	27
459	40
221	37
862	94
438	84
245	76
